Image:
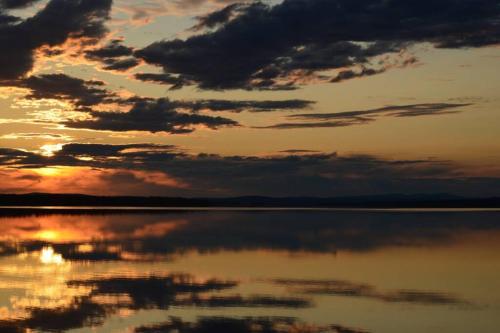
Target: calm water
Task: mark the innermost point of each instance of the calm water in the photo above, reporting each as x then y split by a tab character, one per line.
250	271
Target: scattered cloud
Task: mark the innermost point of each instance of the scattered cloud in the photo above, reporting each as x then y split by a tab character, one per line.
174	81
104	110
353	289
53	25
151	116
243	325
83	94
351	118
140	13
16	4
317	174
114	56
36	136
276	47
218	17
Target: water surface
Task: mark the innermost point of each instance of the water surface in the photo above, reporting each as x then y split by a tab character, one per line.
249	271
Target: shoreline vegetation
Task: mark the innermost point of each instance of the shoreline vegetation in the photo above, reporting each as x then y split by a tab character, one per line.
391	201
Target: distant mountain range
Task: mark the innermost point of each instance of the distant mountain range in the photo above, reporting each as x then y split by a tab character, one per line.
377	201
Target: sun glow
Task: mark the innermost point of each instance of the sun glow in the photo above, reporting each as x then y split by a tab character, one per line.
47	235
48	172
48	256
50	150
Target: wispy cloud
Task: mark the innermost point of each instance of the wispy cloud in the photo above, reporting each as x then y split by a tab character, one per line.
351	118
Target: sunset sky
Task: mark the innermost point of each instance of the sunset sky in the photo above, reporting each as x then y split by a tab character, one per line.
226	98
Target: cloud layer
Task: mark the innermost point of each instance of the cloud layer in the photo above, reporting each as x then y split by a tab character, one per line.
164	170
137	113
58	21
257	46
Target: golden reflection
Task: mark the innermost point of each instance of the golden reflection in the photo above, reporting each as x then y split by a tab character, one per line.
49	256
85	248
86	229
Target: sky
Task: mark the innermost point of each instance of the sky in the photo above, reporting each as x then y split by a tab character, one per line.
227	98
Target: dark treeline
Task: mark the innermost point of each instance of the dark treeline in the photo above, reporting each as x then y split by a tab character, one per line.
381	201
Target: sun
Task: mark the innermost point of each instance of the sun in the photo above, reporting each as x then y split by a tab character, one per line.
47	235
50	150
48	172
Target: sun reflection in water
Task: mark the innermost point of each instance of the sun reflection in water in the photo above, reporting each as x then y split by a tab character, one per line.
48	256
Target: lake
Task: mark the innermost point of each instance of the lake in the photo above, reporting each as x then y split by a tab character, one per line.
249	270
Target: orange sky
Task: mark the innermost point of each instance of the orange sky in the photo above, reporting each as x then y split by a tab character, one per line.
460	84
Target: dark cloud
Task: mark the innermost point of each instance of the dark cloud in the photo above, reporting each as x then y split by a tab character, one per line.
351	231
266	46
143	114
247	302
218	17
350	74
162	115
15	4
154	291
183	291
34	136
150	292
243	325
114	56
144	293
252	106
7	19
293	231
51	26
114	49
353	289
299	151
120	64
84	94
325	124
176	82
351	118
13	156
152	116
102	150
82	312
318	174
411	110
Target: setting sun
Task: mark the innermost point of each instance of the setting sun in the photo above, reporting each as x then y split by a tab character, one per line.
48	172
47	235
50	149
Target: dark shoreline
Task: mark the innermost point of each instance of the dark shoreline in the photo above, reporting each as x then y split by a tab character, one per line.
78	202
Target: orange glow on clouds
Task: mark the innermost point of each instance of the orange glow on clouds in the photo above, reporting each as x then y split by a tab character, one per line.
85	180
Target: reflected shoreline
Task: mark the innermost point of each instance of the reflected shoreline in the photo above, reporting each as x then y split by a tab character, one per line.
8	210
